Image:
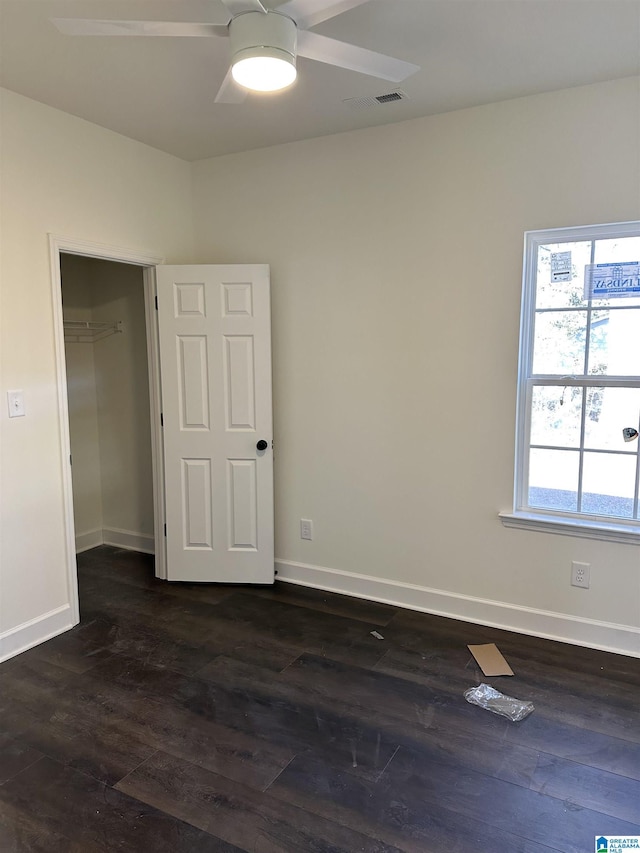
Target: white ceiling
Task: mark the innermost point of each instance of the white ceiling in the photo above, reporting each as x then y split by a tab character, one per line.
161	90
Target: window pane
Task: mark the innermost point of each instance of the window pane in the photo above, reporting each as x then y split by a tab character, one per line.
553	479
609	410
561	294
614	346
559	346
555	416
618	251
608	484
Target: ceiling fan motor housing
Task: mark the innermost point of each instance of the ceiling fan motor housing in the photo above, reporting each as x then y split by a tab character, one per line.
263	34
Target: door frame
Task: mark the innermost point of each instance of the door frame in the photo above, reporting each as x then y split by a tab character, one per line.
63	245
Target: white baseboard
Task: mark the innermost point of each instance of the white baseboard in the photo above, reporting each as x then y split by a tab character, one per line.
90	539
610	637
34	632
128	539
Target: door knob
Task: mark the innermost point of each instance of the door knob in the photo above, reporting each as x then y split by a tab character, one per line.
262	444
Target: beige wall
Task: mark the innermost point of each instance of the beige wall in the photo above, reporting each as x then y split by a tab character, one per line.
74	179
396	259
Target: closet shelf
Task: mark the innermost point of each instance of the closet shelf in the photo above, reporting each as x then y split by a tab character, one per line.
84	332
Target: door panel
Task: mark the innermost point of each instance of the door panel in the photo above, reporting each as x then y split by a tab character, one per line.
215	358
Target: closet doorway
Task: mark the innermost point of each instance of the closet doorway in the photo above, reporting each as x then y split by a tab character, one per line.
83	305
107	369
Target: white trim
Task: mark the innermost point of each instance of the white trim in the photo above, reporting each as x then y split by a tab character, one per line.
155	403
117	538
610	637
88	249
55	247
89	539
584	528
128	540
36	631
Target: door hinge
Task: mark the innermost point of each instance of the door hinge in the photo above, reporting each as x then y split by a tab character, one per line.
70	460
161	419
156	303
165	530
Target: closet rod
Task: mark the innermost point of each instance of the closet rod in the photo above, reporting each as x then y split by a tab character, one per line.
85	332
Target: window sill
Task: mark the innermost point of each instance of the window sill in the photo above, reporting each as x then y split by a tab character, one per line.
627	534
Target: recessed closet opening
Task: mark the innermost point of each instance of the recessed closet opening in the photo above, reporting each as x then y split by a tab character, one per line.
105	339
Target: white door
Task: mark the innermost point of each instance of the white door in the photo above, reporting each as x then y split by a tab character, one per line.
215	363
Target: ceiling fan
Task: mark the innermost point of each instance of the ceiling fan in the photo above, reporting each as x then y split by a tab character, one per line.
264	42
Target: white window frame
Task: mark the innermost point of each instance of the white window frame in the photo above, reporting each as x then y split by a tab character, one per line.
548	520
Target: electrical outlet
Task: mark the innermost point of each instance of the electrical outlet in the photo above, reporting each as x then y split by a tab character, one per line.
580	573
306	528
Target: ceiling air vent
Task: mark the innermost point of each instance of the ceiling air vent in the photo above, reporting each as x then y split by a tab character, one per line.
375	101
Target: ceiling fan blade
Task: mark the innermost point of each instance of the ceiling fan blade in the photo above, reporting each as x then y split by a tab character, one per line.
323	49
81	27
308	13
229	92
235	7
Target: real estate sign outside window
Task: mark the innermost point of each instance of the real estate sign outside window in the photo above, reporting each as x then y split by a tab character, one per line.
579	377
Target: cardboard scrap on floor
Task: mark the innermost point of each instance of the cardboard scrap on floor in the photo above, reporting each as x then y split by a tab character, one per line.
490	659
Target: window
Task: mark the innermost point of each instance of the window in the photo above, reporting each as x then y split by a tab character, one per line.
577	451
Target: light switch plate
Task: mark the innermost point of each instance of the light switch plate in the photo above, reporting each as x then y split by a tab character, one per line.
15	399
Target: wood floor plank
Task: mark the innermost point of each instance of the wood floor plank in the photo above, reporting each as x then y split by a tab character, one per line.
21	833
370	612
232	641
250	706
559	824
104	753
295	717
95	640
302	628
424	800
425	707
417	631
106	731
28	689
15	756
93	816
587	787
187	637
588	702
259	823
397	812
57	722
137	570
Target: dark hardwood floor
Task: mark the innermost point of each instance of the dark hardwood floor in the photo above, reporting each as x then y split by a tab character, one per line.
204	718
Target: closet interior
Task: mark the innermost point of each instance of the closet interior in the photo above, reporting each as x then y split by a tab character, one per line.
108	398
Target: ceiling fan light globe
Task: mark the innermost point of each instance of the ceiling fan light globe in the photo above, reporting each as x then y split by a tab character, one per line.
264	69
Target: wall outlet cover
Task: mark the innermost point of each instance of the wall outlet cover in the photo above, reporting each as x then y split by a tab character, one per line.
580	574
